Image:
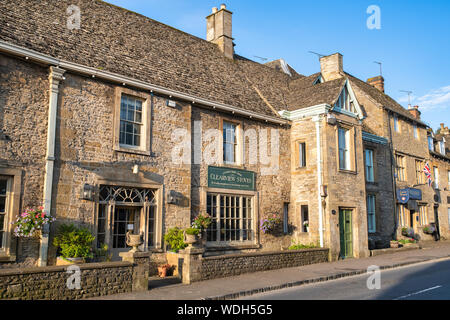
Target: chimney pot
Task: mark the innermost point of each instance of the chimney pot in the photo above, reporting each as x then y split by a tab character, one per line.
223	6
214	9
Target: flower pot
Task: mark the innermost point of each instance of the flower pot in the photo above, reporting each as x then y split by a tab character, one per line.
162	272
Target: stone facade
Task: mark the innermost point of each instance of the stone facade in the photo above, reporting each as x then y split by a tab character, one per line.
183	91
51	282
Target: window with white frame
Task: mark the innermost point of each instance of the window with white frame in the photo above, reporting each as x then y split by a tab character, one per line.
400	167
371	213
344	149
430	143
369	165
301	154
231	218
448	213
4	209
305	218
420	174
448	179
402	217
230	142
416	131
423	216
396	124
442	147
131	123
344	101
436	177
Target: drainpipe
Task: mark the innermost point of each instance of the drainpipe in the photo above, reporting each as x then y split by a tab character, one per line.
394	184
317	120
56	75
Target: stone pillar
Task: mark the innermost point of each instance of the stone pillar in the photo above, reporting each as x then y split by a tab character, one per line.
55	77
141	265
191	269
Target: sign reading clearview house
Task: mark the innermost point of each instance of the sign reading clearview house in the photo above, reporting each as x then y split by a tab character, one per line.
228	178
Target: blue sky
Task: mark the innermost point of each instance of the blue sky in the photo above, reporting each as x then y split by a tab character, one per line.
413	43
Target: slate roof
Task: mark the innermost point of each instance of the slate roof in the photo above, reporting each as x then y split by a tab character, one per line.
120	41
383	99
304	93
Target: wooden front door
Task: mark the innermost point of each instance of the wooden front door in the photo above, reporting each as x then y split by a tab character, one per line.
345	230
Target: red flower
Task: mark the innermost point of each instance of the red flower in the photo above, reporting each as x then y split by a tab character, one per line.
37	216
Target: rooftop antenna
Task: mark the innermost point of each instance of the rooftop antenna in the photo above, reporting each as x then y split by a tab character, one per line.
409	96
261	58
381	70
317	54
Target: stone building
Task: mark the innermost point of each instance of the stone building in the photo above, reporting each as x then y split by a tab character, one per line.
112	120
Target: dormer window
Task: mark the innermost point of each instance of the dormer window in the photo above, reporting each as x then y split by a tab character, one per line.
442	146
345	102
430	143
319	80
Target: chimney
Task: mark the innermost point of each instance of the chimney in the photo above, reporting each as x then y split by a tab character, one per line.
444	130
332	67
219	31
415	112
377	82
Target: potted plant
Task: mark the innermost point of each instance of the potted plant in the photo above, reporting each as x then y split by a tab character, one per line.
191	236
306	225
74	244
394	244
429	229
408	232
165	270
30	223
202	222
268	225
174	238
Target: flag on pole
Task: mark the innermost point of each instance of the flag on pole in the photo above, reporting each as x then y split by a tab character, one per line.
427	171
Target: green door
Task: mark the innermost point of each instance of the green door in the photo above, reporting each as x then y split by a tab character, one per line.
345	230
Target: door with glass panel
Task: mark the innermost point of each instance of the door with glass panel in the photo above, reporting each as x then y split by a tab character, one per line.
346	233
4	186
125	218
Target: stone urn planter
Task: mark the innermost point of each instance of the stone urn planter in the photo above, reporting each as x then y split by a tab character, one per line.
134	241
190	239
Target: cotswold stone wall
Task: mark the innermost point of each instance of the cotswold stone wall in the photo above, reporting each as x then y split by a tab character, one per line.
232	265
97	279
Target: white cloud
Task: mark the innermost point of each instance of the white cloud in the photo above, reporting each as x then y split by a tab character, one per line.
435	99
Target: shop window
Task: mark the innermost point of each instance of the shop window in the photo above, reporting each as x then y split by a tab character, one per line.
232	218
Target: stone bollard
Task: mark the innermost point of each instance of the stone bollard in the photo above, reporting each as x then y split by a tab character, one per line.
141	265
191	265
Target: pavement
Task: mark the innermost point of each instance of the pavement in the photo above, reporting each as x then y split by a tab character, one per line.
423	281
250	284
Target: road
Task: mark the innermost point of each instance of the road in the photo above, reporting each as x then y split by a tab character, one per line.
425	281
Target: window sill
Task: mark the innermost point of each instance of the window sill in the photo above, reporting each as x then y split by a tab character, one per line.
347	171
7	258
132	150
230	246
